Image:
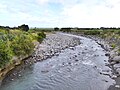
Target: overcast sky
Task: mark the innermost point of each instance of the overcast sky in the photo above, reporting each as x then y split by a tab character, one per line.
60	13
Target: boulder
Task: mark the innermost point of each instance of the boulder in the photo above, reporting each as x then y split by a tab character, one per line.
113	76
107	54
117	65
118	71
116	59
117	86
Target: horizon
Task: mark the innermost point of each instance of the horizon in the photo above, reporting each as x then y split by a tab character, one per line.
60	13
62	27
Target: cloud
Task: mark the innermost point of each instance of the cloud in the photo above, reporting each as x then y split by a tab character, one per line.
89	15
61	13
42	2
62	2
3	8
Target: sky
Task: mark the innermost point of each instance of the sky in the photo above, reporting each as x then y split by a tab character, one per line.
60	13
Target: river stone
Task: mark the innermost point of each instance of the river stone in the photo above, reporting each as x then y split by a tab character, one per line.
118	70
71	48
12	79
76	60
113	76
117	65
117	86
107	54
112	63
116	59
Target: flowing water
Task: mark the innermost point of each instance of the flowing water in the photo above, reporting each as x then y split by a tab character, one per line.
76	68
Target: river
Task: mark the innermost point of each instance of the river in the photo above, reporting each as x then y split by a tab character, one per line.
82	67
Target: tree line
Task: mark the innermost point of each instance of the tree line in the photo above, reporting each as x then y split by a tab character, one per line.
67	29
21	27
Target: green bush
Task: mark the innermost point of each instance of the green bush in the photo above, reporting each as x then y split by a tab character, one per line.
91	32
17	43
42	34
113	45
118	32
22	45
40	38
5	53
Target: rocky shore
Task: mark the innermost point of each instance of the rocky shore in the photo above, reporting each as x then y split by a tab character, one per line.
112	53
114	60
53	44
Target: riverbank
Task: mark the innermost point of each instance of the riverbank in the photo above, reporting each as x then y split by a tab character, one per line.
50	46
15	46
112	53
114	59
53	44
10	67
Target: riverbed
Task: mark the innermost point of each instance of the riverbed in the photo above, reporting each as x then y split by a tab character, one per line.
80	67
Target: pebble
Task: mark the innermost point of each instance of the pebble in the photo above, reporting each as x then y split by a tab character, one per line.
71	48
63	63
54	44
69	63
76	60
113	76
75	55
105	61
107	54
19	75
116	59
83	52
118	71
105	80
117	86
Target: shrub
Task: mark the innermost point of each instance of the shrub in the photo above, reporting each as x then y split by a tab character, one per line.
5	53
42	34
17	43
24	27
40	38
22	45
91	32
56	29
113	45
118	32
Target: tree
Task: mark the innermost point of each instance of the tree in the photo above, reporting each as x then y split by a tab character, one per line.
56	29
24	27
66	29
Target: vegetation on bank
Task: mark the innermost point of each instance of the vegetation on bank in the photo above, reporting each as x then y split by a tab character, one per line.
111	35
18	43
